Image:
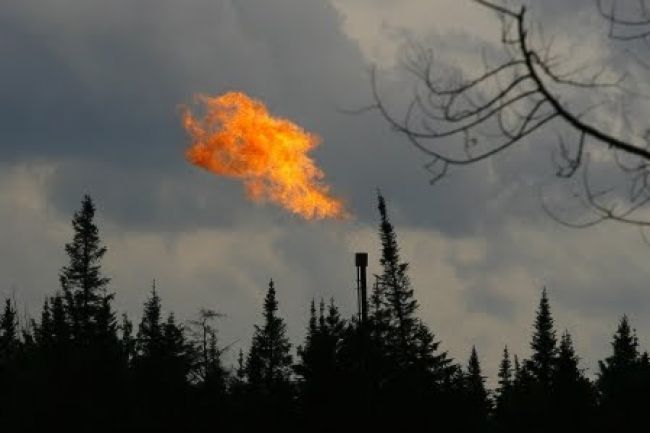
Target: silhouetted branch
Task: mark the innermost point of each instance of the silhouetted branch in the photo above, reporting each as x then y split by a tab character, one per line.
508	102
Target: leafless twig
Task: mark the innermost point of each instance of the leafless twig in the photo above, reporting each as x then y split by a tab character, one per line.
458	121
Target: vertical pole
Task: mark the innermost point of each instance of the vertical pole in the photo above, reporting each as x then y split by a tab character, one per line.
364	296
358	293
361	261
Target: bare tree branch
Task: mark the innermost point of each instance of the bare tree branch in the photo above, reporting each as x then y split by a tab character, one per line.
459	122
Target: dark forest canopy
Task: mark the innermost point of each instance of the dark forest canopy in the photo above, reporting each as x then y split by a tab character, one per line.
79	367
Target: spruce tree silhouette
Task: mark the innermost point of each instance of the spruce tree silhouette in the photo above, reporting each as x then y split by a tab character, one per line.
623	382
477	403
398	294
543	344
161	366
10	346
150	335
532	395
504	374
307	368
269	366
573	396
409	341
9	338
82	282
9	341
407	369
504	391
44	330
91	365
318	368
177	354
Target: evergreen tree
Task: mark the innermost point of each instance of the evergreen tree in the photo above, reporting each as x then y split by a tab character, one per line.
504	391
623	381
527	406
307	353
573	396
543	344
84	286
177	352
149	366
44	330
10	364
505	375
408	341
397	290
161	365
309	367
318	366
567	371
379	314
477	403
334	324
149	343
9	340
268	370
532	408
625	347
403	363
269	362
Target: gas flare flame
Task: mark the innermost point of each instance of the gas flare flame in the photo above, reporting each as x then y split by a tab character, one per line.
237	137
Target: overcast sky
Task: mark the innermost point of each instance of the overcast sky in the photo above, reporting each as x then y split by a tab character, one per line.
89	103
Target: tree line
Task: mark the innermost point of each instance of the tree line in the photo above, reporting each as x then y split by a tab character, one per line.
81	367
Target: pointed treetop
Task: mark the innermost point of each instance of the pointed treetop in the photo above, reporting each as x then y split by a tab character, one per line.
626	343
381	205
269	358
270	302
543	342
475	387
474	366
8	324
566	345
505	371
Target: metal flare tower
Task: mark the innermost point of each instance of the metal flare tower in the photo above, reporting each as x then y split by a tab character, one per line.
361	262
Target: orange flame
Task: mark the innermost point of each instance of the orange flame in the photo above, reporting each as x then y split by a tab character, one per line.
237	137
